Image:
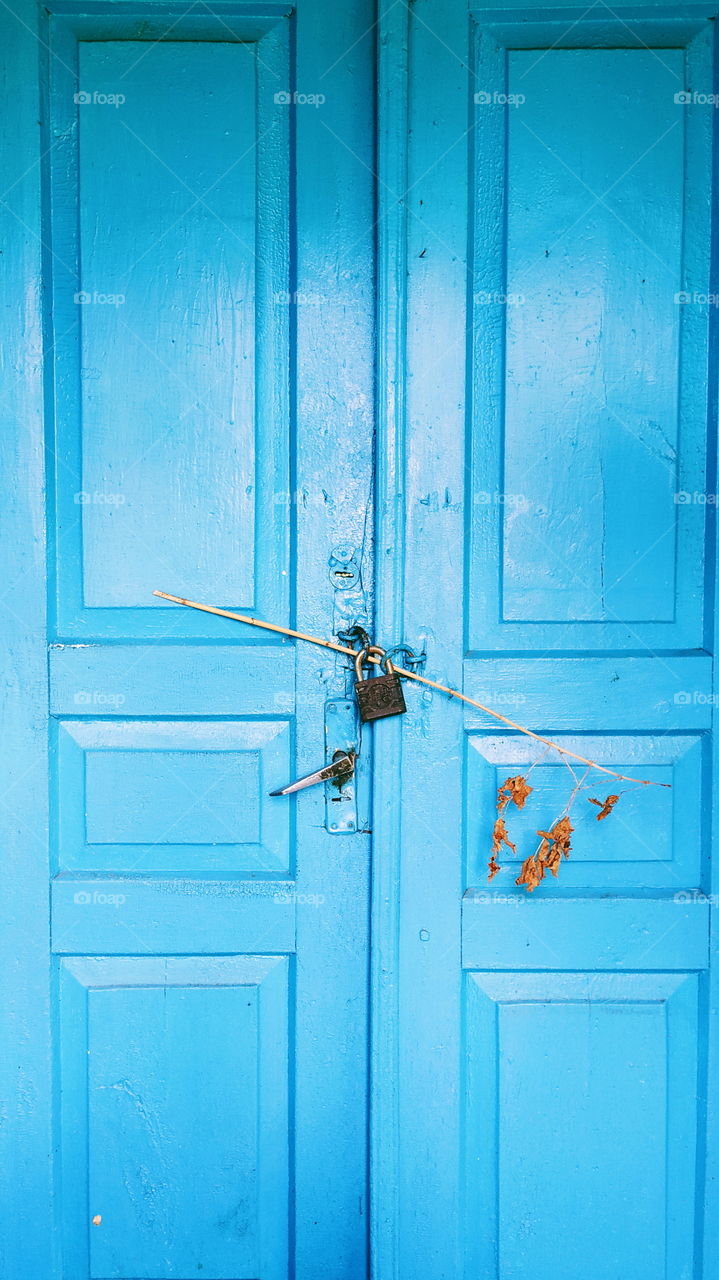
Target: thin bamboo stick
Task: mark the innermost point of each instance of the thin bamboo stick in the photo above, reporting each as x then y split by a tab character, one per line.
410	675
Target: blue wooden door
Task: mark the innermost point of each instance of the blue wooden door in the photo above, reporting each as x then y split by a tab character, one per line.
555	1116
187	214
191	998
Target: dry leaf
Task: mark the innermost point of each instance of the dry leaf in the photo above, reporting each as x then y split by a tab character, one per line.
548	855
500	836
532	873
554	845
553	860
560	835
605	806
516	789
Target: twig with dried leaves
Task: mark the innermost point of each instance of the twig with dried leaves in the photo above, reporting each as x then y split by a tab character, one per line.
555	843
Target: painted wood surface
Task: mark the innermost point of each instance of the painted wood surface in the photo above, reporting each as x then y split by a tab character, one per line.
209	1069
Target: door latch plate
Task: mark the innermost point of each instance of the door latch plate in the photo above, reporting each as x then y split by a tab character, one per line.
341	738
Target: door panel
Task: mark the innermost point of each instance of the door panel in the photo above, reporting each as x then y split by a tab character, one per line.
189	1030
559	441
548	1066
147	1049
569	210
195	316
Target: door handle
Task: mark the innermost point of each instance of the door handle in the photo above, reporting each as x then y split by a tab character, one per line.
341	767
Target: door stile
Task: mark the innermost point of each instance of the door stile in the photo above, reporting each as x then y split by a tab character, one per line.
331	503
392	158
25	1063
436	503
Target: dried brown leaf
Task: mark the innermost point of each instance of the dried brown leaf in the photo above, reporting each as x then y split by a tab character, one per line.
560	835
605	806
500	836
554	845
543	850
516	789
532	873
553	860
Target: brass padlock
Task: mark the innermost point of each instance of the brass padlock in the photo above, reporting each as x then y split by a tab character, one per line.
378	696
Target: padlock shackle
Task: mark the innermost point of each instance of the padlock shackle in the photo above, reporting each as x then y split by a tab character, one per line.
363	655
